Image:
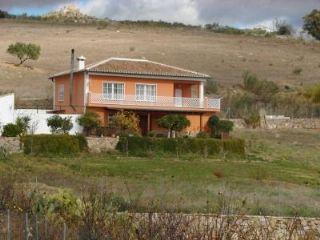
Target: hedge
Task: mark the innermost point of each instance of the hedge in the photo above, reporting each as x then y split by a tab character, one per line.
143	146
53	144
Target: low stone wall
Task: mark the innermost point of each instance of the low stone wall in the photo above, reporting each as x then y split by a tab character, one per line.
282	123
11	144
102	144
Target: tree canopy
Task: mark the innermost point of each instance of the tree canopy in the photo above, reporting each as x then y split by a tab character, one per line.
174	122
312	24
24	51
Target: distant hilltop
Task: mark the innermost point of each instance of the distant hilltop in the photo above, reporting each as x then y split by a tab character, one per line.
69	14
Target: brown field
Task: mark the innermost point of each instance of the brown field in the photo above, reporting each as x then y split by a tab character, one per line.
224	57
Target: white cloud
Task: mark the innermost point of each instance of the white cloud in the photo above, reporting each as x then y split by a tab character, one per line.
166	10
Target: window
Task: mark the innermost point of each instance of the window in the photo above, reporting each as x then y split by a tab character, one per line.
113	91
61	93
146	92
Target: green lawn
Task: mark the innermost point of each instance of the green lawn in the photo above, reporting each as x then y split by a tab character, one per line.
279	176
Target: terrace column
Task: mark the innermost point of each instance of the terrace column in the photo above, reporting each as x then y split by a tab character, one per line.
201	94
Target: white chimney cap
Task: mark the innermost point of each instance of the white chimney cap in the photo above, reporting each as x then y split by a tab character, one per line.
81	58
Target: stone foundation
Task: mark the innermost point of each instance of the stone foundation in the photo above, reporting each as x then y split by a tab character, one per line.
11	144
282	123
102	144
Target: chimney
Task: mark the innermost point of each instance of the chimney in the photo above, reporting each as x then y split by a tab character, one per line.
81	62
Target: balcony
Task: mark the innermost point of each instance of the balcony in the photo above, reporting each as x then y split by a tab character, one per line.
158	102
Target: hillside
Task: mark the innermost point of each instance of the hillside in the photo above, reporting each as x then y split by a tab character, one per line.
225	57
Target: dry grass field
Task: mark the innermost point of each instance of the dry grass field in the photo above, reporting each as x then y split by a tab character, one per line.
224	57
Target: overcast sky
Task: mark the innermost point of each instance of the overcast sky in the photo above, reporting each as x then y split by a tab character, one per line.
239	13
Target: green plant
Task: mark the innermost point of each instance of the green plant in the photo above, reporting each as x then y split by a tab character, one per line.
225	126
126	122
58	124
312	24
174	122
203	135
213	125
24	51
313	93
252	120
23	124
283	28
297	71
11	130
51	144
4	154
142	146
89	121
212	86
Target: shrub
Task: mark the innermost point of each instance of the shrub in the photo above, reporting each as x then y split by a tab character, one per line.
11	130
24	51
312	24
126	122
142	146
203	135
313	93
283	28
89	121
51	144
23	124
4	154
225	126
174	122
253	120
83	144
58	124
263	89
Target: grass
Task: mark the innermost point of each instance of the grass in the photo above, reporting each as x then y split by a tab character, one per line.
279	176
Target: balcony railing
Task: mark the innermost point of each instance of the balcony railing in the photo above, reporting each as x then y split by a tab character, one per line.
157	101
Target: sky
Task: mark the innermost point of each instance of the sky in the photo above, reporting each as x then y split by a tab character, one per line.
237	13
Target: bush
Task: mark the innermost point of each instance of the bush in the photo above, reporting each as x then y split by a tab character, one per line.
51	144
4	154
23	124
11	130
283	28
126	122
142	146
58	124
253	120
203	135
83	144
174	122
89	121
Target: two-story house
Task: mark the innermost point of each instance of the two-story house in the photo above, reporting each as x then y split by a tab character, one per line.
148	88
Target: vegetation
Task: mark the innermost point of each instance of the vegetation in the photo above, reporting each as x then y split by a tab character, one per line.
126	122
174	122
313	93
312	24
89	121
24	51
48	145
19	128
59	124
220	128
283	28
144	146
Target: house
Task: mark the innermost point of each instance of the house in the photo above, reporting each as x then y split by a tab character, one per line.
148	88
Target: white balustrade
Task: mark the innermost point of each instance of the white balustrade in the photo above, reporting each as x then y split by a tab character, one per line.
158	101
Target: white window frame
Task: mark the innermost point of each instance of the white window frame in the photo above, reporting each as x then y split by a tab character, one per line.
146	98
113	95
61	92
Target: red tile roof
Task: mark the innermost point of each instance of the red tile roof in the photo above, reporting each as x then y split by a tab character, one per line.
139	67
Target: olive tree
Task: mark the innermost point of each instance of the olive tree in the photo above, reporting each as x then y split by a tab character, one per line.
126	122
89	121
174	122
59	124
24	51
312	24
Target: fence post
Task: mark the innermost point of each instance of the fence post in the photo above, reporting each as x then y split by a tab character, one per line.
26	227
64	231
8	225
37	228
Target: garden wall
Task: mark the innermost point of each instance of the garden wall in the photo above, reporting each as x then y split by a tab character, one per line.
11	144
103	144
282	123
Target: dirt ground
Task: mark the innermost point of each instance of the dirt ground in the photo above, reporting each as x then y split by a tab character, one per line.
224	57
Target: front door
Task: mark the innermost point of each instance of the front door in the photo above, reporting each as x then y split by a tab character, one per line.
178	97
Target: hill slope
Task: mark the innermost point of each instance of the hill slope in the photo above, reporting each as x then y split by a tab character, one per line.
224	57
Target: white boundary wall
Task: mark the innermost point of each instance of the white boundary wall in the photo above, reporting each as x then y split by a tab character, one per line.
38	117
6	109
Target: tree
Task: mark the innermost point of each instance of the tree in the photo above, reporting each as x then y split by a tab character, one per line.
312	24
24	51
58	124
89	121
174	122
126	122
23	124
219	128
283	28
213	124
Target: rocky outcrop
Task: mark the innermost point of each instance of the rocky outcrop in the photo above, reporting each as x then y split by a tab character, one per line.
69	14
